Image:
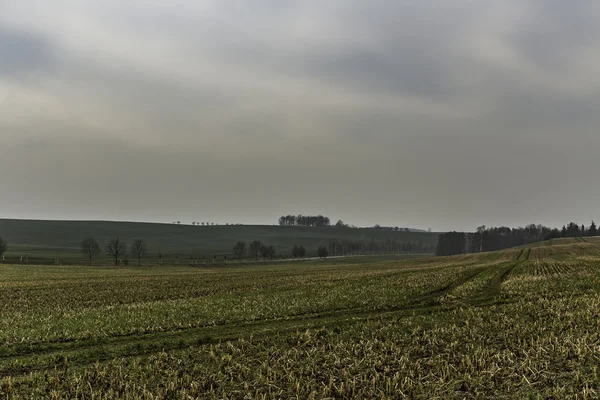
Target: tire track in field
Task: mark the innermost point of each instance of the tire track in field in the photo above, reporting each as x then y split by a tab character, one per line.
524	255
520	254
50	355
140	348
427	299
492	290
436	294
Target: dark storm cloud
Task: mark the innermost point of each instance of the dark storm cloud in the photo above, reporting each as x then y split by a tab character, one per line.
442	114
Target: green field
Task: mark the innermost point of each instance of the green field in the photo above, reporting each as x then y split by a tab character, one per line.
47	240
520	323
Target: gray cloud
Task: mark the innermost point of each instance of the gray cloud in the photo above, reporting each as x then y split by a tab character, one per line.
422	113
23	52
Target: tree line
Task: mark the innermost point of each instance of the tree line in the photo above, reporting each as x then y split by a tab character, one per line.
119	250
257	248
304	220
116	248
336	248
499	238
389	246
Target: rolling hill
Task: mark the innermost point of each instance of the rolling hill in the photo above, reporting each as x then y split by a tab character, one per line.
60	239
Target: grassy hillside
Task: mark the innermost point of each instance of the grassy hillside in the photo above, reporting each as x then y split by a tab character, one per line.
518	323
60	239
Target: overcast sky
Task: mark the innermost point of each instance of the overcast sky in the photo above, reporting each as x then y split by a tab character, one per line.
442	114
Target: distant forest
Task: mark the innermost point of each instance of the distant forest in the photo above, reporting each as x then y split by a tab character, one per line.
304	220
492	239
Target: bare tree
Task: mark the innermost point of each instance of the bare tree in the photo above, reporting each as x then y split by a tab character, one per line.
263	250
271	252
3	246
301	251
90	248
239	249
139	250
255	248
322	252
116	248
267	251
